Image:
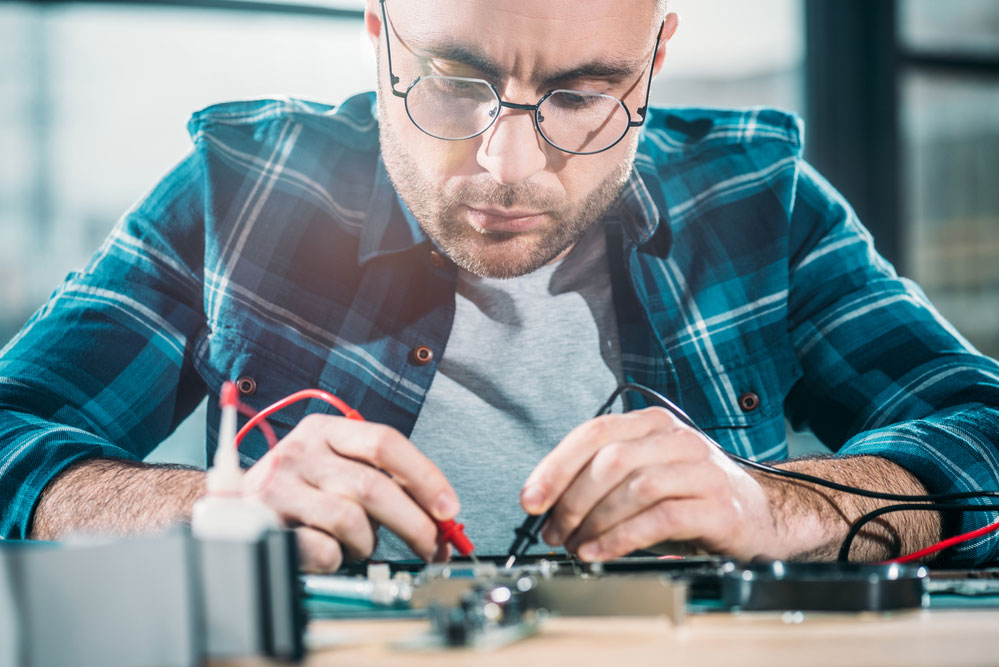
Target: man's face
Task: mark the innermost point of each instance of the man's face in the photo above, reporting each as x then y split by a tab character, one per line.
506	202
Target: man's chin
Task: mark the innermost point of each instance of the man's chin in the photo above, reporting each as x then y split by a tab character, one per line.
501	254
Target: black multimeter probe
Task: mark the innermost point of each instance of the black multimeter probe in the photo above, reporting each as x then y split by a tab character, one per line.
527	532
527	536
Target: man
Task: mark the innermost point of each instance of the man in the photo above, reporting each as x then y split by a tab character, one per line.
474	262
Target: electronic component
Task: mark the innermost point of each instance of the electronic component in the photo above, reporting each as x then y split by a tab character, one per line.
630	587
488	616
823	587
251	597
127	603
157	600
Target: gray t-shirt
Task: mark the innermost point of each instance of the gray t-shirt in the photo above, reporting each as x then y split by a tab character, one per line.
528	359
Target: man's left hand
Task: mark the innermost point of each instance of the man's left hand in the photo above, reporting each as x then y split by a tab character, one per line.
623	482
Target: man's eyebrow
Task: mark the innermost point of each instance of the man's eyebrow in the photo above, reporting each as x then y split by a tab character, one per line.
460	53
596	69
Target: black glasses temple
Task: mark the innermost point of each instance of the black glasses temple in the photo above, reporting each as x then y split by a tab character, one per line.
393	79
642	110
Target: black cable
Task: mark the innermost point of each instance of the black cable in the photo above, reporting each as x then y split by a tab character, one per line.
527	533
800	476
844	550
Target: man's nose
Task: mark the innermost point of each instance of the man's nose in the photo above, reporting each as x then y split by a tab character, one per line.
512	150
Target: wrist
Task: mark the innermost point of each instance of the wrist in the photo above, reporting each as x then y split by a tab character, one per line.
798	525
812	521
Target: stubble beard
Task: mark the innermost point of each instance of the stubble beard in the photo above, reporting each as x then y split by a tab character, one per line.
440	211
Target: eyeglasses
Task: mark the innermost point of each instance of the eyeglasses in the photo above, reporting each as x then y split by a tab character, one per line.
575	121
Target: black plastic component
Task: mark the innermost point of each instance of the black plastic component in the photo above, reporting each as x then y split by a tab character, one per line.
823	587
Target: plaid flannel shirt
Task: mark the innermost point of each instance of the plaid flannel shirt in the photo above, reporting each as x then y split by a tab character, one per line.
745	288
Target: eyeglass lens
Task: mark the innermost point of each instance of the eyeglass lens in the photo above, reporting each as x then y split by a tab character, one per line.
460	108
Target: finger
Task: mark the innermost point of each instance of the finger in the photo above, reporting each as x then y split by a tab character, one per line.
640	490
555	472
685	519
379	497
340	517
385	448
443	553
605	471
298	501
317	551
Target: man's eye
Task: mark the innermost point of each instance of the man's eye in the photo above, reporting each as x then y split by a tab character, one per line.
457	87
574	101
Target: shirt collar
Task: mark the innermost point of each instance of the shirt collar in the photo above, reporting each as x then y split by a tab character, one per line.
389	227
637	207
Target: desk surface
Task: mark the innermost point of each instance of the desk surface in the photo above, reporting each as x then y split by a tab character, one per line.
946	637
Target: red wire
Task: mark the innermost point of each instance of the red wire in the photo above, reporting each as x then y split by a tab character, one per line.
949	542
449	531
348	412
264	425
272	441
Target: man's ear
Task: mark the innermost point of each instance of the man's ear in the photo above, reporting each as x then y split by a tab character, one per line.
373	22
670	25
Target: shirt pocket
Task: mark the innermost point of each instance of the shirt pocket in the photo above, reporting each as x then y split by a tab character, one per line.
740	402
263	376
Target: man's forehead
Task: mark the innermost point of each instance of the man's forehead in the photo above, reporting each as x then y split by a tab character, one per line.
529	36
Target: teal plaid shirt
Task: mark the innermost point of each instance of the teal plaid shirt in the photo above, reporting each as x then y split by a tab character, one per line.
278	251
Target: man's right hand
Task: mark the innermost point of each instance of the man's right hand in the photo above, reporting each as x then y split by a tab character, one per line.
335	480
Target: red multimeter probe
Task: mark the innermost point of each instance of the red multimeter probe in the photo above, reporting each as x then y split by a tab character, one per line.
448	531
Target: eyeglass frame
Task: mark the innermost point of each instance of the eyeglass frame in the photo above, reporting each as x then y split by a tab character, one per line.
640	111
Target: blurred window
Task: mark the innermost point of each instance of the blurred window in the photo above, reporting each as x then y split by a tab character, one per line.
949	132
96	101
955	26
716	58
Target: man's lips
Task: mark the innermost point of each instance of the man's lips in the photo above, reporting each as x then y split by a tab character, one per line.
504	220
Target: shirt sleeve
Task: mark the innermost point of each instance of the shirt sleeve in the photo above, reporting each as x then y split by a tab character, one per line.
104	368
884	373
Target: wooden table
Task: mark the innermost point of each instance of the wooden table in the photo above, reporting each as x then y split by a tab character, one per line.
946	637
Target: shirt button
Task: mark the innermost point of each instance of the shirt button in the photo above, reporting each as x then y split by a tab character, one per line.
421	356
749	401
437	259
246	385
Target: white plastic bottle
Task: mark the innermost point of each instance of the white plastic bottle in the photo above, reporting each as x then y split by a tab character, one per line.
224	513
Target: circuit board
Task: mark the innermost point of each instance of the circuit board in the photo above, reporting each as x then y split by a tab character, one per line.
486	602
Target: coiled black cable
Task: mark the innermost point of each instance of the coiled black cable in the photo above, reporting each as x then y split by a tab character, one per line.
844	550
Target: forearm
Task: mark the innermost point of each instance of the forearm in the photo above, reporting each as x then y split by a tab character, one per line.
812	521
106	496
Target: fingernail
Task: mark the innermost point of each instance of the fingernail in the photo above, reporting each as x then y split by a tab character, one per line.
589	551
532	497
447	506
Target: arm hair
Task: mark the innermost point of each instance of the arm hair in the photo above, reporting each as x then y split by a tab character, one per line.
116	497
